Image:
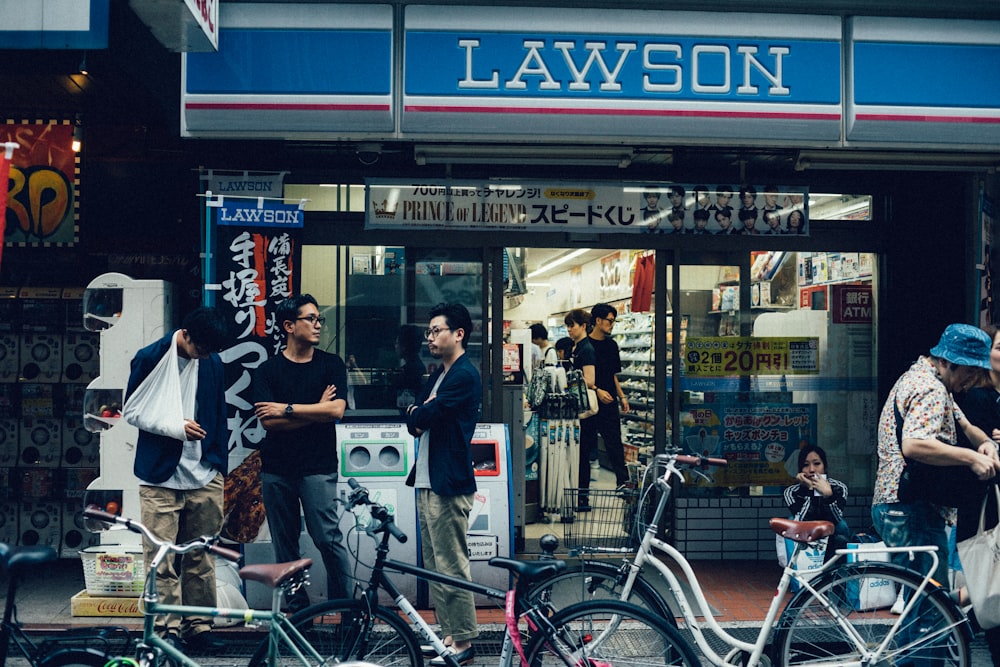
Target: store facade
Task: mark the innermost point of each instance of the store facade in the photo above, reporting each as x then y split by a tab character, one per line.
549	150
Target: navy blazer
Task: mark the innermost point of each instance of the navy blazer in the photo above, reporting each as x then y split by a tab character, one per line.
157	456
451	417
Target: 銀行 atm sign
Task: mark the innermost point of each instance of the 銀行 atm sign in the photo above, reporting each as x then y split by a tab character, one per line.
852	304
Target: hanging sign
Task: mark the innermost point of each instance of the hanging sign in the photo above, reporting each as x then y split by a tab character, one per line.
727	356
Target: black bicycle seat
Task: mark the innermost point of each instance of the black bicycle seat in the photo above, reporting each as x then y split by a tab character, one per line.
530	570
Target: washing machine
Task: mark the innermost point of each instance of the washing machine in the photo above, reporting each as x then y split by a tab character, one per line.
81	357
41	523
41	442
10	357
10	513
80	447
75	536
41	357
10	432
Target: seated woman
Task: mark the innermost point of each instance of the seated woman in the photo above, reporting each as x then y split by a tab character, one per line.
819	498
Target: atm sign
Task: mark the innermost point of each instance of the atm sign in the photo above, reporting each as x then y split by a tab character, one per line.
852	304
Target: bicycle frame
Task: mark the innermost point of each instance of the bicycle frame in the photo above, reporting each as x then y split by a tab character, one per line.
757	648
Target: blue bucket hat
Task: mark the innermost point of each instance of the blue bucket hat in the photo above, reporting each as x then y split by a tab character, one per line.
965	345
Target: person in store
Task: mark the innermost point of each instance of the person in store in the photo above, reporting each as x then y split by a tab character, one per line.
796	222
818	497
701	217
299	398
724	219
540	337
772	223
180	462
607	421
411	369
748	217
922	396
981	406
564	351
582	358
444	419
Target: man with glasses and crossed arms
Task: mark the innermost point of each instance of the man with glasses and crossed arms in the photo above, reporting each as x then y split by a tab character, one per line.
609	391
298	400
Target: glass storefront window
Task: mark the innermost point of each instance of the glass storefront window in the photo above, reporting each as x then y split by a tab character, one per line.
376	300
797	368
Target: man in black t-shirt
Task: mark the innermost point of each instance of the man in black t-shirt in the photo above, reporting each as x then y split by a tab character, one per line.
609	393
299	395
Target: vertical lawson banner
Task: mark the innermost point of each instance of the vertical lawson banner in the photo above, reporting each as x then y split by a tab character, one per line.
546	206
257	251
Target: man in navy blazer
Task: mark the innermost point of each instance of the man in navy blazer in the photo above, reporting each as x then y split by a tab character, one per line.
444	418
181	480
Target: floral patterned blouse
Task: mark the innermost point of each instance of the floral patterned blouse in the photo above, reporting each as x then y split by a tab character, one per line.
929	413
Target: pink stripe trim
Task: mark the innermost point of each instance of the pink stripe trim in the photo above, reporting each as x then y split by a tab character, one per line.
625	112
241	106
925	119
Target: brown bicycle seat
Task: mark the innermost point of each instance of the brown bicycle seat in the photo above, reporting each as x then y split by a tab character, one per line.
273	574
801	531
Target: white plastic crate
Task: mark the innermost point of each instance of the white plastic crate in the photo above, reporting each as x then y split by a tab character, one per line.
113	571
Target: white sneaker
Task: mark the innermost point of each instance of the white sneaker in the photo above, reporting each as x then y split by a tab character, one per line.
595	469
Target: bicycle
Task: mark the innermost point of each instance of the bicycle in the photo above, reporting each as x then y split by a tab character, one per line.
586	634
78	647
822	623
282	578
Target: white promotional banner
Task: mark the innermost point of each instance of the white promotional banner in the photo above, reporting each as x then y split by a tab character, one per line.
660	208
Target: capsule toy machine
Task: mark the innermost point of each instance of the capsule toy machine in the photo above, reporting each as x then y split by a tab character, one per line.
128	314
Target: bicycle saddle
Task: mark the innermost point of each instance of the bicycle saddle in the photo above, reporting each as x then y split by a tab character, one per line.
273	574
801	531
530	570
14	557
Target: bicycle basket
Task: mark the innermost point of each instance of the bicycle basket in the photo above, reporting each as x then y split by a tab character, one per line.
610	523
113	571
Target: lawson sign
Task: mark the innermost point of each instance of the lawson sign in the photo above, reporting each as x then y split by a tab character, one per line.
259	213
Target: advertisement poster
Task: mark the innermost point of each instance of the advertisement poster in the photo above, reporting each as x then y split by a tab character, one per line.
727	356
548	206
42	185
257	251
761	441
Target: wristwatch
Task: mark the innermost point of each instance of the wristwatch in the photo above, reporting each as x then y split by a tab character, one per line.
288	410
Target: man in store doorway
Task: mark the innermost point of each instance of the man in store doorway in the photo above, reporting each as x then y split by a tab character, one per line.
609	393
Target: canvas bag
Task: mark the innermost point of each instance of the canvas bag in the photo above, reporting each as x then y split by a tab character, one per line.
870	592
980	556
586	398
157	405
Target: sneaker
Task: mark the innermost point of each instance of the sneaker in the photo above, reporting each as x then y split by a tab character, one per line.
462	657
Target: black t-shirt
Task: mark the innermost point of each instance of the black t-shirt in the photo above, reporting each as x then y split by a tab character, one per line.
608	365
583	354
312	449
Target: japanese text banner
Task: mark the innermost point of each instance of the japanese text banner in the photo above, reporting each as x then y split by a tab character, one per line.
725	356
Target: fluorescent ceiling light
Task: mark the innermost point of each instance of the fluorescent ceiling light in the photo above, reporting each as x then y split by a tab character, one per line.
559	261
896	161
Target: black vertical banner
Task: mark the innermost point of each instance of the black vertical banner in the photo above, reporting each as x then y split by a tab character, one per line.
257	251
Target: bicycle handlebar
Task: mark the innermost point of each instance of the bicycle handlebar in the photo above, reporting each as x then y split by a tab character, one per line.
700	461
359	496
206	542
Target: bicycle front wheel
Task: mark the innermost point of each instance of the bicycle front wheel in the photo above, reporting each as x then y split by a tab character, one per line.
611	632
851	618
75	657
594	580
342	630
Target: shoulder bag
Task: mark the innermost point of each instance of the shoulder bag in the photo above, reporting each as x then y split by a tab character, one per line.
938	485
980	556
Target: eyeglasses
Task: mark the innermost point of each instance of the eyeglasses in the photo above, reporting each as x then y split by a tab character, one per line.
609	320
313	319
433	333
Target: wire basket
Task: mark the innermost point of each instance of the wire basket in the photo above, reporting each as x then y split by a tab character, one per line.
608	526
113	571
